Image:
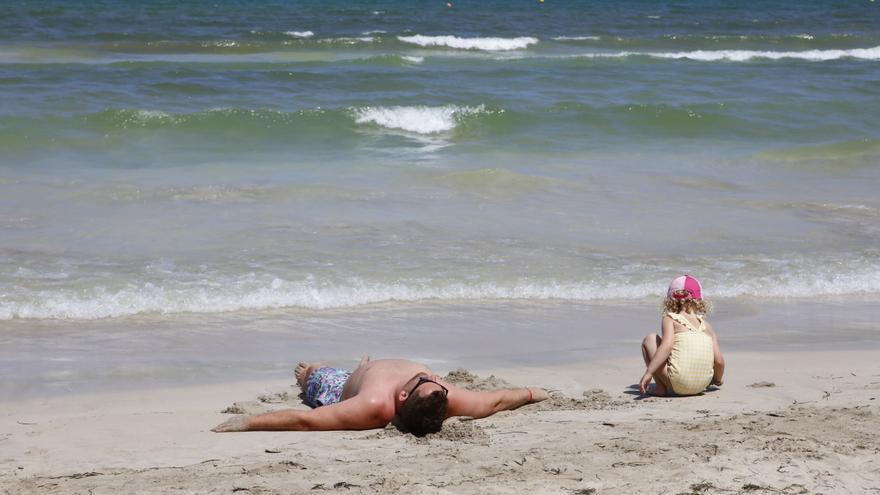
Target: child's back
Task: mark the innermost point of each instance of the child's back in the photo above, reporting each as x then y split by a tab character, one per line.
691	360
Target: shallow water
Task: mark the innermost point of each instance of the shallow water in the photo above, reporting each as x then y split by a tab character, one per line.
172	158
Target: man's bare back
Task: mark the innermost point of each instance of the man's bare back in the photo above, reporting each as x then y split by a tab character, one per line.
373	395
379	377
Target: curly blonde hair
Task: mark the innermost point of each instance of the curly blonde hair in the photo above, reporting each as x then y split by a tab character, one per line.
698	306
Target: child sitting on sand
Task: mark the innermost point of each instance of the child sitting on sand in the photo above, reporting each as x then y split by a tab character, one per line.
686	359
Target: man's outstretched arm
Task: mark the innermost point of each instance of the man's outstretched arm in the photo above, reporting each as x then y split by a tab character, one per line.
464	402
351	414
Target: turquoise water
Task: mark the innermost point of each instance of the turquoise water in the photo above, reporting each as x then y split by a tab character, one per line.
169	158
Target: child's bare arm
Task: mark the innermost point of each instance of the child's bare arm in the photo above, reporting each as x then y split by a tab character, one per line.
718	376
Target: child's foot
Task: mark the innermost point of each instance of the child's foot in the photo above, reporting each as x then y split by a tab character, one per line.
657	390
303	371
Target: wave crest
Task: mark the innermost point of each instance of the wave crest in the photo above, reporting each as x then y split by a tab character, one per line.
577	38
300	34
747	55
417	119
167	290
485	44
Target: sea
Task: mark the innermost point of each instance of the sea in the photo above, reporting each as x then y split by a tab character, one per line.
209	189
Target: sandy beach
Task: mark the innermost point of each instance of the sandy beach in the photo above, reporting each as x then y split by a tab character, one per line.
784	422
195	196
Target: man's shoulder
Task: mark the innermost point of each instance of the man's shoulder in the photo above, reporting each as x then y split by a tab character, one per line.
375	402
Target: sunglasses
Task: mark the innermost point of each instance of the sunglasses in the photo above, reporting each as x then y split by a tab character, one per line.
422	380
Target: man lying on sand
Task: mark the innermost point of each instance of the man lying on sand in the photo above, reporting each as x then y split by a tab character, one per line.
379	392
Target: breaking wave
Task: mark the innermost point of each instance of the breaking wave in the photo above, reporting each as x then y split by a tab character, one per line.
417	119
486	44
58	299
747	55
300	34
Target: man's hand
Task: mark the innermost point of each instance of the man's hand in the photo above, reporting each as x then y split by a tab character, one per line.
538	394
236	423
717	381
644	382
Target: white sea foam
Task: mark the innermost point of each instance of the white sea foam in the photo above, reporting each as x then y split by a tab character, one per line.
577	38
417	119
245	295
227	43
254	292
486	44
347	40
300	34
745	55
220	44
748	55
412	59
796	285
152	115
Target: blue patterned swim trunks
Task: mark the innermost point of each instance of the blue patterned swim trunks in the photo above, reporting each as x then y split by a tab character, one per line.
325	386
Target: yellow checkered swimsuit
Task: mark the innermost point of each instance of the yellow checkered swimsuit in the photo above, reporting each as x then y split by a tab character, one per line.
691	363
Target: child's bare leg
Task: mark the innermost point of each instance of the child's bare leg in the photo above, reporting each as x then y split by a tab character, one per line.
649	348
303	371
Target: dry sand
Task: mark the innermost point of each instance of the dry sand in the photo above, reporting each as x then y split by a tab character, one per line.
782	423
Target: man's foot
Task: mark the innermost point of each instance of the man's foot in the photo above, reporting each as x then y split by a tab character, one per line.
364	360
303	371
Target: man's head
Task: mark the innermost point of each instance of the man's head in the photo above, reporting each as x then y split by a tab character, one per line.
424	407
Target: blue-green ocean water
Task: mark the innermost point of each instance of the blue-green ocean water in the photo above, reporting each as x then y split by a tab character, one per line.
162	157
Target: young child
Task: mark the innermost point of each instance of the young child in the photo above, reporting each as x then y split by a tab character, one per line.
686	359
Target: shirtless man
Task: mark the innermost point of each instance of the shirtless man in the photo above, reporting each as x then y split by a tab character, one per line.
378	392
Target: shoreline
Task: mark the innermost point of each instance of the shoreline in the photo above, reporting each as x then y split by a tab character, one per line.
67	358
814	429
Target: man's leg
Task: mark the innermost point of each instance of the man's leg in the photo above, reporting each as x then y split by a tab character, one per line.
321	385
661	379
303	371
